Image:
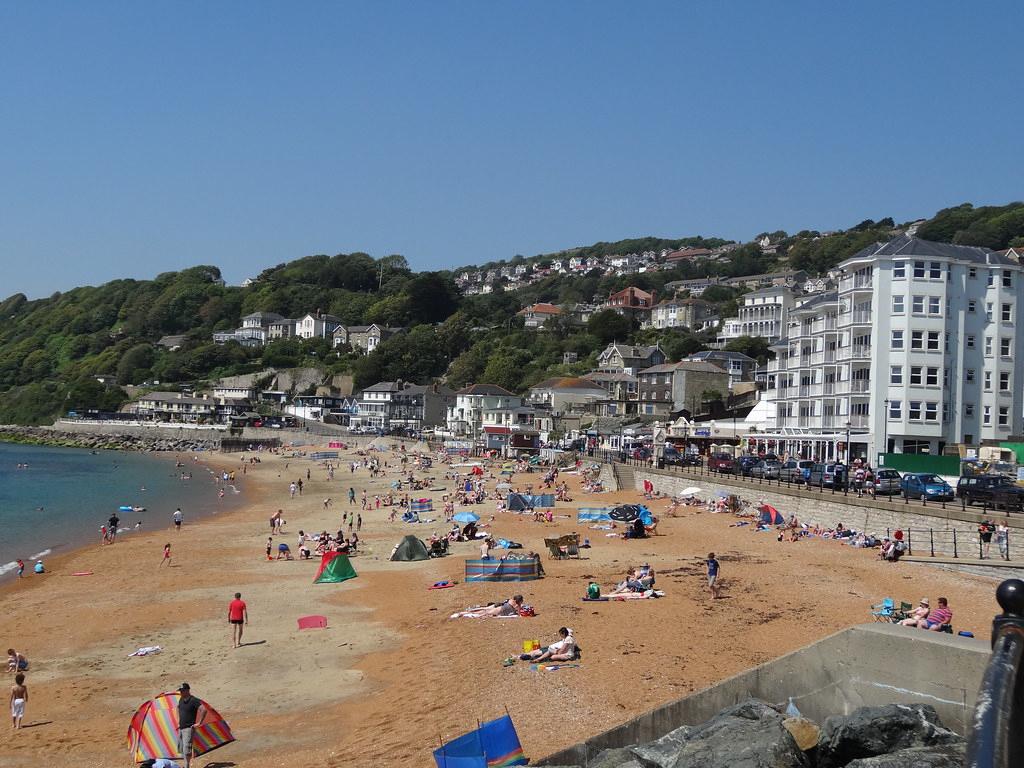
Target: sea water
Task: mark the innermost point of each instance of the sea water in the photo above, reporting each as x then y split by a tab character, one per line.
52	499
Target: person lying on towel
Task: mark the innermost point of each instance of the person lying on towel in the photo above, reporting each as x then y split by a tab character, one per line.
510	607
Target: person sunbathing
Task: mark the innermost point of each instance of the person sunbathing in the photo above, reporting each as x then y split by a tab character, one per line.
631	583
563	649
510	607
918	615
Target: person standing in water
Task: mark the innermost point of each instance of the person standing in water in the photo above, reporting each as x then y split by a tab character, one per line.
178	518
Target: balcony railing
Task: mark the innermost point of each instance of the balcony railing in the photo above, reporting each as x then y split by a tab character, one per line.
858	317
856	352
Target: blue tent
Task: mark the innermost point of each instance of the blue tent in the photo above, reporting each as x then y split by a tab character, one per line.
592	515
466	517
494	744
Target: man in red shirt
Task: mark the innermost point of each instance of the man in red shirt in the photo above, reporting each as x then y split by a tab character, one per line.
238	614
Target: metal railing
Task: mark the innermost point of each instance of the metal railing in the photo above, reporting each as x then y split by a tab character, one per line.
996	739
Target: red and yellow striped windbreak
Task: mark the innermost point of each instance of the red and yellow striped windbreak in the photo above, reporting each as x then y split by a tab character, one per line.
153	732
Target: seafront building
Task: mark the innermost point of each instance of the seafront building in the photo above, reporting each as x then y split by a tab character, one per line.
916	350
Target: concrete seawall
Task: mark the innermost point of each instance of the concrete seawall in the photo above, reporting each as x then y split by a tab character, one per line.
866	665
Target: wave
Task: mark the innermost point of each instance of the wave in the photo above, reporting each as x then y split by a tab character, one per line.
7	567
39	555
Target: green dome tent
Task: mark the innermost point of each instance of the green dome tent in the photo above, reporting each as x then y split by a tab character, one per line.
410	548
334	567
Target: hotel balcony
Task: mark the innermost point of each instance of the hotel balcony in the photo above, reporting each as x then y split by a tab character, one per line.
855	352
857	317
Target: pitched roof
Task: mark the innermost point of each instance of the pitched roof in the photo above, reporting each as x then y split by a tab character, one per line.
568	384
541	308
720	354
485	389
685	365
905	245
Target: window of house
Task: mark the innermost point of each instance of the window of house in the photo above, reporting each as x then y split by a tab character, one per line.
897	340
988	311
972	306
1004	381
988	381
914	410
897	304
986	415
1004	347
945	410
970	342
968	409
895	374
918	305
935	270
931	411
934	305
1004	415
933	340
972	272
932	377
895	409
1007	312
969	375
988	345
991	277
915	375
917	339
1007	279
899	269
918	269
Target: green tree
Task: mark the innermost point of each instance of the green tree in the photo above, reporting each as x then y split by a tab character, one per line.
608	326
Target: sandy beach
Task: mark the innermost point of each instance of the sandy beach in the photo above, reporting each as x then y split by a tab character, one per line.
392	674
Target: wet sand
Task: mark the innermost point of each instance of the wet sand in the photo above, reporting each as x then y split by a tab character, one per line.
393	674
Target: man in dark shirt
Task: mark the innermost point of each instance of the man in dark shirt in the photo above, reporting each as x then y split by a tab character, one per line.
112	524
191	712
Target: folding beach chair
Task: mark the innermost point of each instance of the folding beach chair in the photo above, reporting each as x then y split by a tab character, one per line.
884	611
904	612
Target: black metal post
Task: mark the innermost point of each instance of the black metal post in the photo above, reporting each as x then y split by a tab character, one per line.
954	543
931	540
910	547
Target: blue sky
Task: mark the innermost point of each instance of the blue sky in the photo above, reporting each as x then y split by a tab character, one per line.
137	138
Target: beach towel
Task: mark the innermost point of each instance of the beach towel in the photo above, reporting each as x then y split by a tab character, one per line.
651	593
551	667
442	585
148	650
312	622
596	599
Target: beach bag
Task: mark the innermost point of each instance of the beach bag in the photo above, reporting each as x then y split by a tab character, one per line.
593	591
527	611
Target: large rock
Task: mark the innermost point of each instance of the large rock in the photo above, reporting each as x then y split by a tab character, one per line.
805	732
872	731
620	757
663	752
938	756
748	735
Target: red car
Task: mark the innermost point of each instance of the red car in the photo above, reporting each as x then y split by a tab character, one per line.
722	462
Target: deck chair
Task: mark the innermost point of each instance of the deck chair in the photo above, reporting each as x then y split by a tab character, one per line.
904	612
313	622
884	611
571	543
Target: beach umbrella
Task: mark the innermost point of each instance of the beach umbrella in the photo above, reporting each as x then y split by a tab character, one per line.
153	732
627	513
465	517
691	491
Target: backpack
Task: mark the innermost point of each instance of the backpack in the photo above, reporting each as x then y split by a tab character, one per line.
593	591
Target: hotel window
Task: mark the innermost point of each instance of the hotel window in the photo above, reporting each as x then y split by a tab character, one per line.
969	409
917	339
1004	381
895	374
972	306
970	342
1007	312
918	269
934	305
945	410
988	311
933	340
918	305
931	411
1004	415
1007	279
988	381
931	377
1004	347
969	375
986	417
915	375
895	409
897	305
972	272
991	277
945	377
899	269
897	340
988	345
935	271
914	410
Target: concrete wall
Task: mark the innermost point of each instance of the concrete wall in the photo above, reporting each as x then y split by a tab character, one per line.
114	428
867	665
870	515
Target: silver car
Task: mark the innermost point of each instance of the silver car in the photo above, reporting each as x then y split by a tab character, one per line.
767	469
886	482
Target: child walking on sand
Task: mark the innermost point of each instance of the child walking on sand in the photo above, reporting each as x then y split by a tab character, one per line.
167	555
19	696
712	575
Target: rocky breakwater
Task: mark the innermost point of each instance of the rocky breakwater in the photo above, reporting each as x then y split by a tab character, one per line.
106	441
754	734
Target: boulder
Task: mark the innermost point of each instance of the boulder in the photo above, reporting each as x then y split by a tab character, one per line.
620	757
805	732
871	731
748	735
662	753
938	756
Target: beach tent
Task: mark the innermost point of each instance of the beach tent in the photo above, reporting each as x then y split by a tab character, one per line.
493	744
418	506
771	516
334	567
593	515
509	569
153	732
466	517
410	548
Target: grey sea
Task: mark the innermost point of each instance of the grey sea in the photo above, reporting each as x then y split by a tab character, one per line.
54	499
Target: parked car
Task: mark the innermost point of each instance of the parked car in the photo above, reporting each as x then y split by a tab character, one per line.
886	482
673	458
792	471
924	485
992	490
828	475
722	462
746	463
766	468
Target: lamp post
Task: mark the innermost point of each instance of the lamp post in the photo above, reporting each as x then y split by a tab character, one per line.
885	430
848	443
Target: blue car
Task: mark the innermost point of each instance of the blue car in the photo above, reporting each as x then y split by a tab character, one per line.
925	485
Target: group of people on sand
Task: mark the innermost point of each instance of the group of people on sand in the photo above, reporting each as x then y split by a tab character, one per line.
17	664
926	617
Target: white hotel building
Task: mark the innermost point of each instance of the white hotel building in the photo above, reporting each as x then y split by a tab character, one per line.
916	350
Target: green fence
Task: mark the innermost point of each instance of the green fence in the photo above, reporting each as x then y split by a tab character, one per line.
920	462
1017	448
